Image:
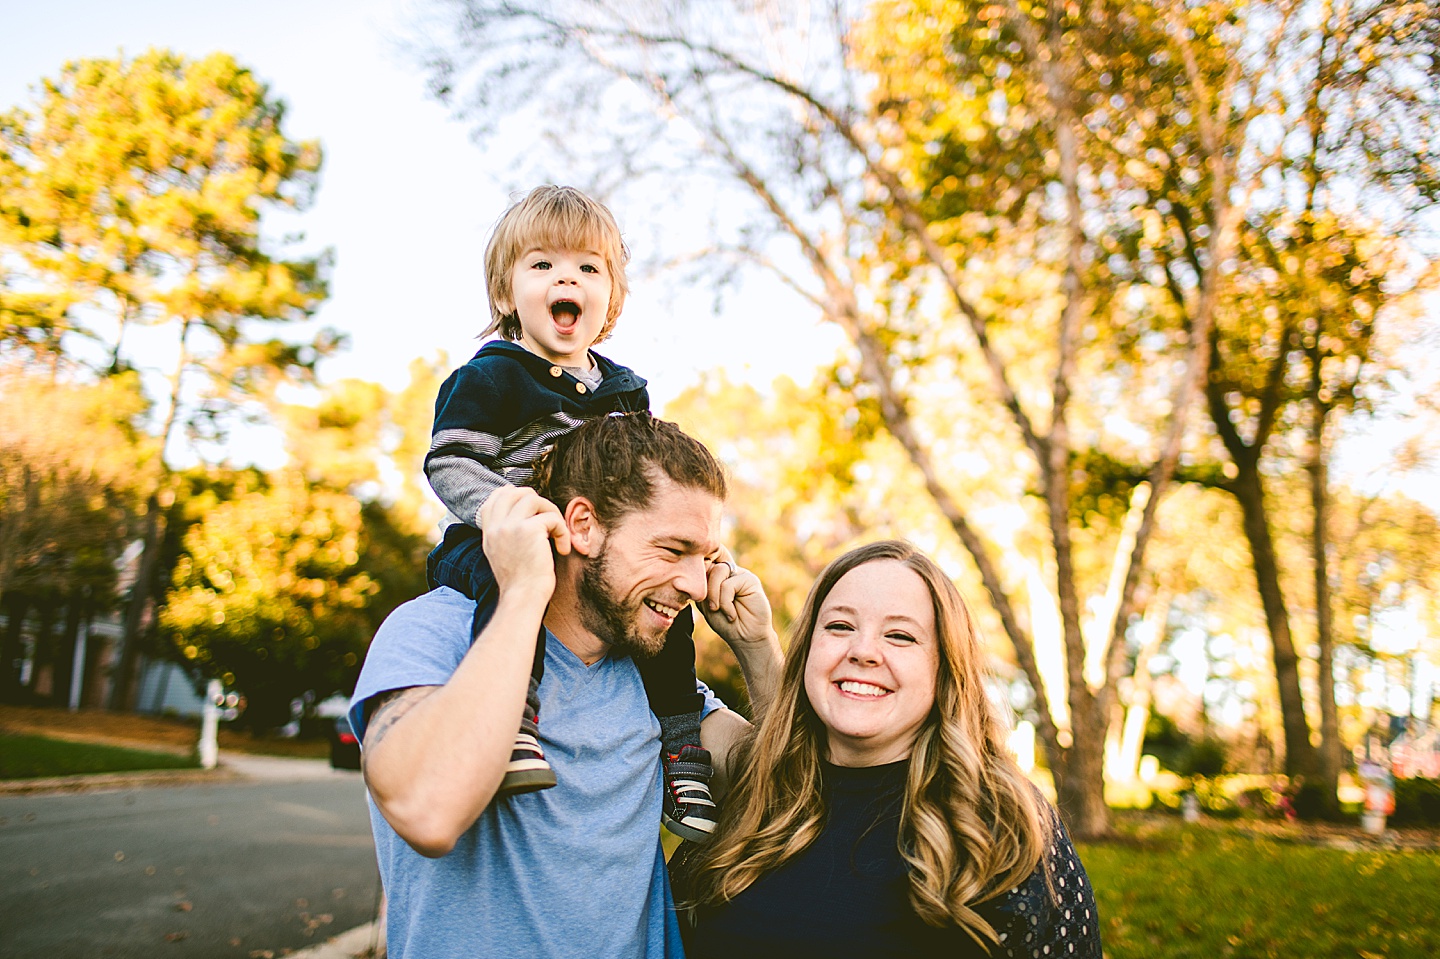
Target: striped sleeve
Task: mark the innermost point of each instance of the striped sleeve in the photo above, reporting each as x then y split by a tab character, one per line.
466	466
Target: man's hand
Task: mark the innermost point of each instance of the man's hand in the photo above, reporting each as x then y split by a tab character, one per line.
736	606
520	525
737	609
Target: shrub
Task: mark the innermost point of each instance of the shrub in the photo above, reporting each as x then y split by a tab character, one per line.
1309	802
1205	758
1165	741
1417	802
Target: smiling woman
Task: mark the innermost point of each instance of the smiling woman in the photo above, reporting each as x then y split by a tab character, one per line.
877	810
870	674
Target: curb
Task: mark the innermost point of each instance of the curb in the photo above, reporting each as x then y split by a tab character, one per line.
354	944
88	782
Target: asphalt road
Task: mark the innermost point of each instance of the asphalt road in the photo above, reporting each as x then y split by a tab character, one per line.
244	869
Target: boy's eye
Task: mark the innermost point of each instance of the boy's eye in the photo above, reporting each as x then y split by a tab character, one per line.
540	265
589	268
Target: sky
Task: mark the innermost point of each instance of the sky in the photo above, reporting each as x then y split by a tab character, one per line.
406	199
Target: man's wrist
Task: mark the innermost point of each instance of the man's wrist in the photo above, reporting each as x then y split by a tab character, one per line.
757	650
525	596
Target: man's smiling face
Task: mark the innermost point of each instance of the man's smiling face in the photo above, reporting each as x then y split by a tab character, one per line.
651	564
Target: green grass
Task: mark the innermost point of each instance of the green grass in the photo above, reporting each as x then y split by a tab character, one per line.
1183	892
30	757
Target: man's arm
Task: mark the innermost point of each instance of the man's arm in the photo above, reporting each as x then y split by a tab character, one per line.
434	755
737	609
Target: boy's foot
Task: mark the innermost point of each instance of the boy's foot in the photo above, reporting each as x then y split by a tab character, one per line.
527	770
689	811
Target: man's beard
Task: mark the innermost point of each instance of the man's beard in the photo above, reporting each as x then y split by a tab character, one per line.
607	617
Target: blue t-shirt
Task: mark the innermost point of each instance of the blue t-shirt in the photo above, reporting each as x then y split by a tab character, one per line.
576	870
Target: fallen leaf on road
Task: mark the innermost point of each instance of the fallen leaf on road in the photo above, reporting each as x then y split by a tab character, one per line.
234	940
262	954
301	903
183	906
176	936
149	870
119	857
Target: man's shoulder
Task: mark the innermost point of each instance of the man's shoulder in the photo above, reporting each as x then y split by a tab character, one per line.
430	612
420	643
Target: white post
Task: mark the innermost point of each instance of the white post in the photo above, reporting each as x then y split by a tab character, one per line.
210	725
1190	808
77	668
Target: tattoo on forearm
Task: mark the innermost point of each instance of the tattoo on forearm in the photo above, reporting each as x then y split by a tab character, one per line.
390	708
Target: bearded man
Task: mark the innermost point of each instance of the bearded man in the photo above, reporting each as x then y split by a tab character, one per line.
625	536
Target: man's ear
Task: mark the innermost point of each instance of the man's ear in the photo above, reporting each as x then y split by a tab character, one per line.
586	533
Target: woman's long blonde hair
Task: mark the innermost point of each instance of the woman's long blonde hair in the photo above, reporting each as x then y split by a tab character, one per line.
971	825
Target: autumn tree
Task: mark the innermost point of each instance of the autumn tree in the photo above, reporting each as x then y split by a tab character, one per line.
1332	259
281	584
70	456
944	183
361	437
132	193
270	595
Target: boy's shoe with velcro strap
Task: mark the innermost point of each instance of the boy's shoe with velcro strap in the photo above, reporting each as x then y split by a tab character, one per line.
689	811
527	770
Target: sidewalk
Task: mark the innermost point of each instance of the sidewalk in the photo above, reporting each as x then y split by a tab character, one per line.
362	942
234	767
355	944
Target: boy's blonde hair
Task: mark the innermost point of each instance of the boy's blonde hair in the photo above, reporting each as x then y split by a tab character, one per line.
561	218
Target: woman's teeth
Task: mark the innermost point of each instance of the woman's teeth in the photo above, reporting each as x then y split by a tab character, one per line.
862	689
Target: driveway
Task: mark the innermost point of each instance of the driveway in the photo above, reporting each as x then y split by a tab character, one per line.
279	860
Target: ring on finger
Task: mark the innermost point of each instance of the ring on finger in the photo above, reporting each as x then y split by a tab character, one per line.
733	568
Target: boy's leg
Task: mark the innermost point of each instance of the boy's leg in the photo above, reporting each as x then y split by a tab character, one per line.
465	568
669	677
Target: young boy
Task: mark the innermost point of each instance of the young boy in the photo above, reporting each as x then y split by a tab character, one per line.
555	269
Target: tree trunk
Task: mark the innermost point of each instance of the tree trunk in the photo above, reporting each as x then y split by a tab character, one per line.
122	698
17	607
1328	761
65	650
41	655
1249	491
1080	776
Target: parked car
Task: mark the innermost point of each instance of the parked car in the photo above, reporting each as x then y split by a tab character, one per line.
344	747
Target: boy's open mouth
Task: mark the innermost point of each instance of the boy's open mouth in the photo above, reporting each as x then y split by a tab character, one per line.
565	312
